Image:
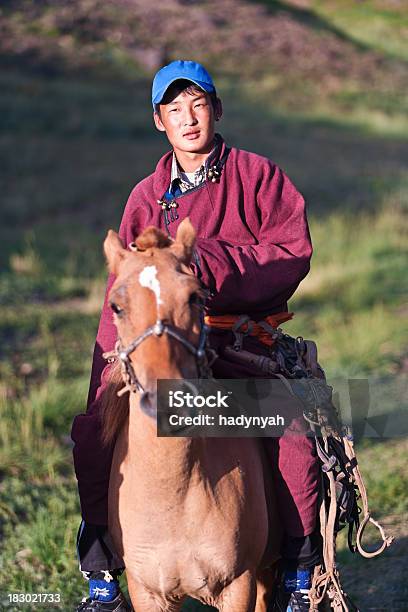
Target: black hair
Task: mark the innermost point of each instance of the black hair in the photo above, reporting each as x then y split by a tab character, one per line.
184	85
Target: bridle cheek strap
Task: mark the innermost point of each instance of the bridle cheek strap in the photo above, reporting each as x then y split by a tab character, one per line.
132	384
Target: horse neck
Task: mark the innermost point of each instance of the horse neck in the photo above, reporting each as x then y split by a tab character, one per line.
169	462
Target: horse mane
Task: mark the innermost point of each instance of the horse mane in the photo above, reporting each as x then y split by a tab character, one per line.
115	410
152	237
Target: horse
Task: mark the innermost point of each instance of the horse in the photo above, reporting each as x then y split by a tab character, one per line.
191	517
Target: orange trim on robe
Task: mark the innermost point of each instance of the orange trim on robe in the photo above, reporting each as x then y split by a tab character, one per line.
227	322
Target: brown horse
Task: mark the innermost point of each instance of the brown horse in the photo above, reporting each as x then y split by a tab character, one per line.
190	516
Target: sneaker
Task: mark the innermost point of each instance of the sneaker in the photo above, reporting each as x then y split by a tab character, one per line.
292	592
298	601
119	604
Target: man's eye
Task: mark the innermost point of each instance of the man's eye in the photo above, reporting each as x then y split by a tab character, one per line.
116	309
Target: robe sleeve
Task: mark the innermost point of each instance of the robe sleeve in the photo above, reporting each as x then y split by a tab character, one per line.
248	278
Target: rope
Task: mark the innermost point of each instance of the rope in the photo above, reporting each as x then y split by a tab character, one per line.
326	578
386	540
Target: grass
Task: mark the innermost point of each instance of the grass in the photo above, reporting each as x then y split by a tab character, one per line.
71	148
379	24
378	582
353	300
38	507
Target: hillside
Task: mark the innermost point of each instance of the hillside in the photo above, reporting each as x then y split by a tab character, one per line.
291	50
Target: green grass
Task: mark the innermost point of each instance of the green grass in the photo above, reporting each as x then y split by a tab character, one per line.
381	25
352	302
38	505
52	287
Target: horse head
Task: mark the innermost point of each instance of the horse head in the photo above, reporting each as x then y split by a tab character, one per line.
157	306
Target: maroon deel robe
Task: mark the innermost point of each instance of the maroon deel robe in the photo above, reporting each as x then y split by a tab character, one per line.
254	248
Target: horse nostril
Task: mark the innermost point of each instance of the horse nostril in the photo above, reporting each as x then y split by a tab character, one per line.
148	404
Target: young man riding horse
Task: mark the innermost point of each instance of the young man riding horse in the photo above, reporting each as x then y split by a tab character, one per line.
253	249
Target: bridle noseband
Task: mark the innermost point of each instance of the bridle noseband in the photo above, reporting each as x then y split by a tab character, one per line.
131	381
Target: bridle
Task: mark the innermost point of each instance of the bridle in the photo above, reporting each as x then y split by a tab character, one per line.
132	383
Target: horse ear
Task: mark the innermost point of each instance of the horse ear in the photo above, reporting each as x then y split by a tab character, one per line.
185	240
114	251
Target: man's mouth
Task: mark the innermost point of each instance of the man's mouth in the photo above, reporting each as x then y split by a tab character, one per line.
193	135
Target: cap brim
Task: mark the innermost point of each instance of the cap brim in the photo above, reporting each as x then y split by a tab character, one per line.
201	84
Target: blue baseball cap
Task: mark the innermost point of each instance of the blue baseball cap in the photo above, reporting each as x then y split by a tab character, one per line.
180	69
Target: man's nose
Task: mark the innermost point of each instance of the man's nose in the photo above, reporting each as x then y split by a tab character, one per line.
189	117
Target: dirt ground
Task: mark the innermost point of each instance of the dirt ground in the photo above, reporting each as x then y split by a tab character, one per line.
380	584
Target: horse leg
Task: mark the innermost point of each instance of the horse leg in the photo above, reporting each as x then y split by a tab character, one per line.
144	601
265	580
240	595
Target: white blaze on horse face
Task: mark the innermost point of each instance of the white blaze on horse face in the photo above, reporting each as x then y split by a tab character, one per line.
148	278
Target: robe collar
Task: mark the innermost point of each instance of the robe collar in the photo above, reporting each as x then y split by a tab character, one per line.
162	174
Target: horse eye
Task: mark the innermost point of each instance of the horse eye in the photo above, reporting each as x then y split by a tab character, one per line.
194	299
116	309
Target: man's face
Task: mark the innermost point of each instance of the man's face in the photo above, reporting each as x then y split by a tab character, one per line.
188	120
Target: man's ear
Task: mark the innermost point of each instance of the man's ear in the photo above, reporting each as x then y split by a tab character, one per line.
184	243
114	251
218	109
158	122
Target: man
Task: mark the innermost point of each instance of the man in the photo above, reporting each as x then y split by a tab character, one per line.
253	249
